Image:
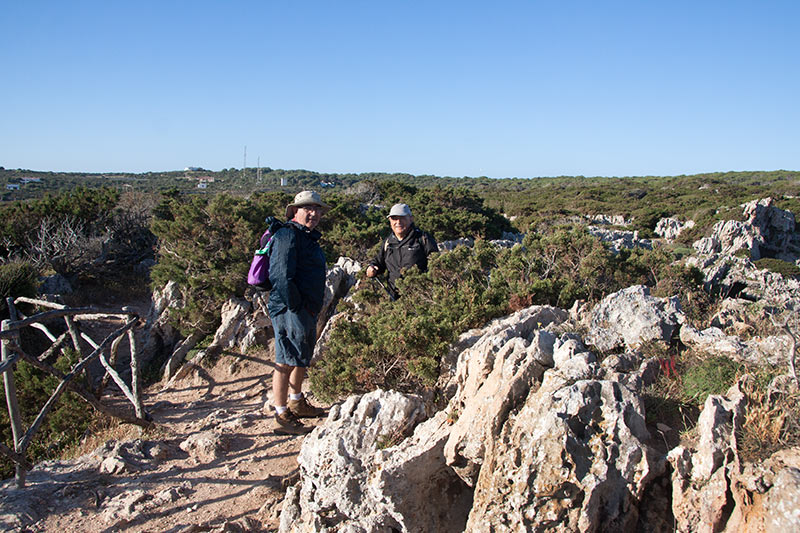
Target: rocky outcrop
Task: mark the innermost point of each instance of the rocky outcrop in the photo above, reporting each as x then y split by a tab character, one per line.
767	231
618	239
609	220
631	317
535	433
353	478
738	277
771	350
671	228
158	334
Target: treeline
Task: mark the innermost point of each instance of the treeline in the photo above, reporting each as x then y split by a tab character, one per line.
631	196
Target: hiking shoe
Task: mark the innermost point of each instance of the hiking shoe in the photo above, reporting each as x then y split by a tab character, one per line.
302	409
288	424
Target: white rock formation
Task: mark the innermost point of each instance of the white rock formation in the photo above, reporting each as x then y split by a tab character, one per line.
631	317
671	228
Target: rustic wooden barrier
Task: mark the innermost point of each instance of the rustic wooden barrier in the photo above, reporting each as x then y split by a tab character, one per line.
12	352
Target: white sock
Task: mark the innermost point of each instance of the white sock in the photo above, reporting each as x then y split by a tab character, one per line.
296	397
280	409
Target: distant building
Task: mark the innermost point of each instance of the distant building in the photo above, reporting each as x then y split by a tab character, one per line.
12	186
30	180
284	182
193	169
202	185
325	184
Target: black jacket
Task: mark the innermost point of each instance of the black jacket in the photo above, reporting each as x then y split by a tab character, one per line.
396	256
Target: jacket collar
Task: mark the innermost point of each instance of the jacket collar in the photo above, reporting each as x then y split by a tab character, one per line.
310	233
411	232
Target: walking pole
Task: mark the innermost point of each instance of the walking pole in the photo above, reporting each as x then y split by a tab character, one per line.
391	296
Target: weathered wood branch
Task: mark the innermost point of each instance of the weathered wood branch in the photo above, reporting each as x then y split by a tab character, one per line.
8	362
48	406
90	398
55	346
15	457
135	385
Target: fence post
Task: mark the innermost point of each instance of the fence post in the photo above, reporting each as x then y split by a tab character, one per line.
135	383
11	401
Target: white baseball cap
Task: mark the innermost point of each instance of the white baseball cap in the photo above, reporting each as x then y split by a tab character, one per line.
400	210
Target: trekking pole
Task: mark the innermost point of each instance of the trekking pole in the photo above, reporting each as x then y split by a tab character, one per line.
391	296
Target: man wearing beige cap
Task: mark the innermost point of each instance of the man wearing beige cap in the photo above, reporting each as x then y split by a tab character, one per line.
405	247
297	272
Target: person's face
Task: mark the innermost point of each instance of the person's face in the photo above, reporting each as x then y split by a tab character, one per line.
400	225
308	215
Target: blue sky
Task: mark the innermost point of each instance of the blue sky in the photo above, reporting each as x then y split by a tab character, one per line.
498	89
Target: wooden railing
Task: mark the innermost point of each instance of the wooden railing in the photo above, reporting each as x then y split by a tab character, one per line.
13	352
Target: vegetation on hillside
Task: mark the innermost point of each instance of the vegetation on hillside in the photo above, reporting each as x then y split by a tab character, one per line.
399	344
99	228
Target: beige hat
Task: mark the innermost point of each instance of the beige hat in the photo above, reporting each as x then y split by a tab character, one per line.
400	210
306	198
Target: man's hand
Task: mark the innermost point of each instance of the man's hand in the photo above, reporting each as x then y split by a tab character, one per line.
372	271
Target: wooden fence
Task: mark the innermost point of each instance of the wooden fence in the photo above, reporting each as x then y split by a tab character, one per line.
12	352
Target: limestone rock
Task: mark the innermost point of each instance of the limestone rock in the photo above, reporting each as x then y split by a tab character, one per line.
671	228
446	246
572	459
205	446
701	482
123	508
55	285
767	231
619	239
772	350
342	483
631	317
158	335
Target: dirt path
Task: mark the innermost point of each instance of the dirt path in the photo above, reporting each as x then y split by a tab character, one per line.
238	487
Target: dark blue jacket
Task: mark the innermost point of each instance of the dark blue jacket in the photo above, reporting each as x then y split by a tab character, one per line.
296	270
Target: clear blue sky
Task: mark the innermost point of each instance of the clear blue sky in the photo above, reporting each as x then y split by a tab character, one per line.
499	89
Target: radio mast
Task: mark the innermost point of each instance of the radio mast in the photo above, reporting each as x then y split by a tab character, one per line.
244	165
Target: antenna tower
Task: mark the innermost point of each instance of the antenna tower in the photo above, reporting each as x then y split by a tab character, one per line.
244	165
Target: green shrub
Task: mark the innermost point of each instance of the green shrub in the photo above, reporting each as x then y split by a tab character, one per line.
398	344
16	279
784	268
205	246
64	425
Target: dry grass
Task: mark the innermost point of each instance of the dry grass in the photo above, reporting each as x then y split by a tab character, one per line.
772	417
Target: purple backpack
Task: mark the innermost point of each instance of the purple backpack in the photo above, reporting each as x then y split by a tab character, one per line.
258	275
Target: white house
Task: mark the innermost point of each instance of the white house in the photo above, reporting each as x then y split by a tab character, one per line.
12	186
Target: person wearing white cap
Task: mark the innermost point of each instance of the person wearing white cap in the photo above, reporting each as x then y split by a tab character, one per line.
297	272
406	247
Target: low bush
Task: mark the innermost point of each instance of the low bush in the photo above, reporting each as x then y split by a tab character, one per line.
784	268
64	425
16	279
400	344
